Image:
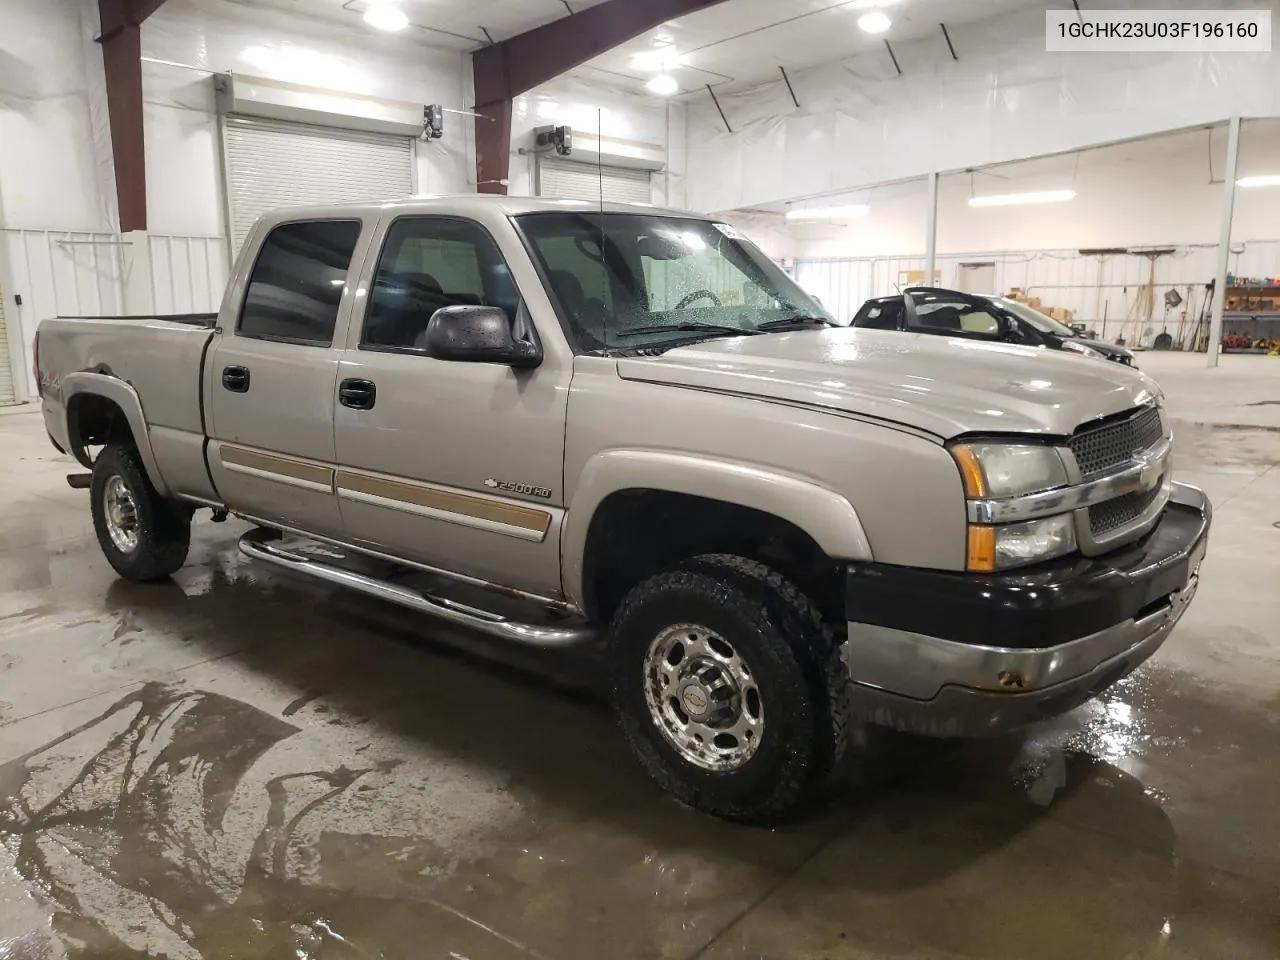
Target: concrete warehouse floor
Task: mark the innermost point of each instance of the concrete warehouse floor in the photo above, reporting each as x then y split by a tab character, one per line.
241	764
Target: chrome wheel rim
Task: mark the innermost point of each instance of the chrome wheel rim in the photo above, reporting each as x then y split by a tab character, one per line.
703	696
121	513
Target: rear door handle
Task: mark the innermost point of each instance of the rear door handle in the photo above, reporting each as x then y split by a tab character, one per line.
357	394
236	379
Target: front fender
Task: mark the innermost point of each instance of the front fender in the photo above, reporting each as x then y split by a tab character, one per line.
823	514
126	398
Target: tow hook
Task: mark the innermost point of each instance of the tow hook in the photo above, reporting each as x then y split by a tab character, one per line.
79	481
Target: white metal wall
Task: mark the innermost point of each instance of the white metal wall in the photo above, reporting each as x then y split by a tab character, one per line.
271	164
1091	287
188	274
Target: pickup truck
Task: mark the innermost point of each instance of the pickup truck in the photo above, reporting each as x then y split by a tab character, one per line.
562	423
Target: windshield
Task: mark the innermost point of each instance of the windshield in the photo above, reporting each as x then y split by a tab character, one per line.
1037	319
632	280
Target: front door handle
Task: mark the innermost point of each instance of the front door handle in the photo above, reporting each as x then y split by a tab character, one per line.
357	394
236	379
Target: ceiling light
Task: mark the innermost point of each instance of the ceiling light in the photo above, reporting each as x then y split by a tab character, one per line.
871	4
386	16
874	22
1014	199
664	85
1269	180
656	61
829	213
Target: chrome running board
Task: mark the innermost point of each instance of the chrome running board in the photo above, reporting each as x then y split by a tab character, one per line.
260	545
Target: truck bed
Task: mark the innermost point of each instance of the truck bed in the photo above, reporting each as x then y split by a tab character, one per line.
161	358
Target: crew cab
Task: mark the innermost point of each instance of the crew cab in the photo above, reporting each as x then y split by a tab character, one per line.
949	313
562	424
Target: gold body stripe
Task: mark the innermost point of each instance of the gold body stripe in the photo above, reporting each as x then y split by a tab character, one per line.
447	501
272	463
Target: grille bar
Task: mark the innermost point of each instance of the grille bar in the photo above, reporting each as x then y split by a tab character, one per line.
1101	449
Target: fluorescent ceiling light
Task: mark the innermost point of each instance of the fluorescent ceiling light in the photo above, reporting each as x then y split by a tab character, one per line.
830	213
1015	199
664	85
874	22
386	16
1269	180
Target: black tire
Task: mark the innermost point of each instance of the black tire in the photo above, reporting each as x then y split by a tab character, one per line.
163	526
793	659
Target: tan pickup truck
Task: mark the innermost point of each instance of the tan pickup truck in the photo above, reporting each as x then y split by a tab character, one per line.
560	424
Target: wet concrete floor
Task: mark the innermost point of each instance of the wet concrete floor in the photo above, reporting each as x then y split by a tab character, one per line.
240	764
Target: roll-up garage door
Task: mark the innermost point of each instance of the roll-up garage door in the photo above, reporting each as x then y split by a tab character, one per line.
272	163
575	180
6	367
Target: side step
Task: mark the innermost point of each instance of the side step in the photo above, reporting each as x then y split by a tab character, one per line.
264	545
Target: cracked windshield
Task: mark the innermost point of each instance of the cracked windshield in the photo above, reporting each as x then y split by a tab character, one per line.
630	281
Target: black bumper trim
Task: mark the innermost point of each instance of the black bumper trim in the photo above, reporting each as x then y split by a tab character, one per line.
1041	607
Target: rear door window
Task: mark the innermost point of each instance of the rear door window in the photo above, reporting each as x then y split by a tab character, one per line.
297	282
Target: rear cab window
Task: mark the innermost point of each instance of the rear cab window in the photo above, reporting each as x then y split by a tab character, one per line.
297	282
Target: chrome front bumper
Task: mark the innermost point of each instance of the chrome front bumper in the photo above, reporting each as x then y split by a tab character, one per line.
945	687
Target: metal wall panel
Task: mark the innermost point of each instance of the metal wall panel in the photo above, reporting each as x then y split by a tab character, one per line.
56	273
188	274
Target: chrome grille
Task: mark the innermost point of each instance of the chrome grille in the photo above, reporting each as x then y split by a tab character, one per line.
1122	511
1101	449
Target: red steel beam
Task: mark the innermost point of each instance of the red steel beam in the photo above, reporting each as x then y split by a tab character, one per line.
505	70
121	40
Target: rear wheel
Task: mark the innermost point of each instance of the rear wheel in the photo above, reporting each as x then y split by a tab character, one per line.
142	535
729	688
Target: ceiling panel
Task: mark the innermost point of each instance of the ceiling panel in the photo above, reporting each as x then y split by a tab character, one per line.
741	43
460	24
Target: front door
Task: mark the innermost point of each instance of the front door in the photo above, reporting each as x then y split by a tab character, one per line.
452	464
271	379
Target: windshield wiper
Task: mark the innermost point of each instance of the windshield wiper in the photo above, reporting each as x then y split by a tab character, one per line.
794	322
687	328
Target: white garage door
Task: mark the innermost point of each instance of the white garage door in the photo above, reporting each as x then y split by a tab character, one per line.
272	164
575	180
6	367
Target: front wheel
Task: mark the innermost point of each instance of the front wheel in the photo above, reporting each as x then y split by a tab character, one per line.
143	535
728	687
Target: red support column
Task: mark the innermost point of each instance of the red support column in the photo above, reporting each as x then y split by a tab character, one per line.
505	70
121	58
121	40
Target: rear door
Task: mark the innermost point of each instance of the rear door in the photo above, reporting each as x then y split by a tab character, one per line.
271	376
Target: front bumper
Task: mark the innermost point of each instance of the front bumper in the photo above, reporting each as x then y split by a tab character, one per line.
964	655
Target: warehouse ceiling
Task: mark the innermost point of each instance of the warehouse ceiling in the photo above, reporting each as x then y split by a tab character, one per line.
737	44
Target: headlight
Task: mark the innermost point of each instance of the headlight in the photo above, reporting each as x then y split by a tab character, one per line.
1075	346
997	470
1018	544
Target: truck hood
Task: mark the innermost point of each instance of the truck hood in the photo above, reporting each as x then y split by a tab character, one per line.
942	385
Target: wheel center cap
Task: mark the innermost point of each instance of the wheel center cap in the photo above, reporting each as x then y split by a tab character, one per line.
695	699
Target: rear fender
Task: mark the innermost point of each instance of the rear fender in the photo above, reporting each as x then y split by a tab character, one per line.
825	515
126	398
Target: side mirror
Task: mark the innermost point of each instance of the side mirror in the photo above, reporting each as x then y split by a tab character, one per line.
470	334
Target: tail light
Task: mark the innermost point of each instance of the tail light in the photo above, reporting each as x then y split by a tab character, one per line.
35	366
